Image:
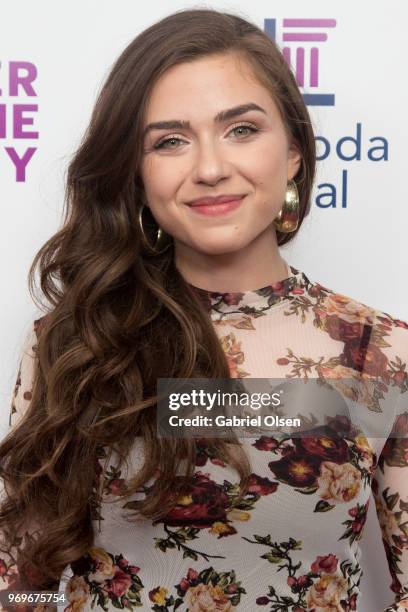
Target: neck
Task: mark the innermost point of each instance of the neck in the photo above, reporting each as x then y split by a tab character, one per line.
258	264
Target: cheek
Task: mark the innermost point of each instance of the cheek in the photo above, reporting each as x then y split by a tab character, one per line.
268	165
268	176
161	179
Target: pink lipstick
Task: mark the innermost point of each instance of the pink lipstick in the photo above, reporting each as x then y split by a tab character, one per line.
216	206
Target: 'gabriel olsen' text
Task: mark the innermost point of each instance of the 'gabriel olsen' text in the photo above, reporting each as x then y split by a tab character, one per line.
234	421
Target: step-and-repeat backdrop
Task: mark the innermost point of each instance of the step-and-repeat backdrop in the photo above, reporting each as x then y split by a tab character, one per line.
349	59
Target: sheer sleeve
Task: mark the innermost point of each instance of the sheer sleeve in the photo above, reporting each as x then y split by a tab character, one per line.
390	491
21	394
20	400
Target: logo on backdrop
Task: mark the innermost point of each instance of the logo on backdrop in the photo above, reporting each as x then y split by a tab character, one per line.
299	56
298	41
16	114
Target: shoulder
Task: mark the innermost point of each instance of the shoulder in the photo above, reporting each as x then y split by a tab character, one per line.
348	308
374	339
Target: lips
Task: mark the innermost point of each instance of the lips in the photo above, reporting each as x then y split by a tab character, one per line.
219	200
218	209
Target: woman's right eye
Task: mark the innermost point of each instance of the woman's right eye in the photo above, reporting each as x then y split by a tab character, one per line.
160	145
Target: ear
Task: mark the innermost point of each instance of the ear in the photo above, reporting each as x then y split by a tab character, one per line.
294	160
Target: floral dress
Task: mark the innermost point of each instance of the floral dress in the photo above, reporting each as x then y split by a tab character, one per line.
292	544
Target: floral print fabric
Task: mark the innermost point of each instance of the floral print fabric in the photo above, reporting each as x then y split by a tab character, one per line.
292	544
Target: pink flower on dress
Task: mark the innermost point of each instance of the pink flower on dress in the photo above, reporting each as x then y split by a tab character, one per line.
232	299
116	486
119	584
327	564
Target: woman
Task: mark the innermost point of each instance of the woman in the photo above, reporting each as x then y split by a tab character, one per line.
149	279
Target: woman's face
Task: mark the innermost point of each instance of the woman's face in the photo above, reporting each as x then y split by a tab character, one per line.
246	153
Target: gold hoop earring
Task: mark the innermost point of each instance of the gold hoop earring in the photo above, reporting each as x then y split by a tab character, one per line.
288	219
151	249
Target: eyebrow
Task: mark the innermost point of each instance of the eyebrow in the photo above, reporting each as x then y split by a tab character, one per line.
230	113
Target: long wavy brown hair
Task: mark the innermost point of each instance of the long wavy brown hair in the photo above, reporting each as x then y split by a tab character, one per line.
117	318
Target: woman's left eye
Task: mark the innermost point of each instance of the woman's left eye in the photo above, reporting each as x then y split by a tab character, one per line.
245	127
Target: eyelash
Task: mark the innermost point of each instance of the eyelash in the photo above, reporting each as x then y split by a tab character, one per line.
160	144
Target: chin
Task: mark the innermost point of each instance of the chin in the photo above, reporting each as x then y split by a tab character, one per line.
219	247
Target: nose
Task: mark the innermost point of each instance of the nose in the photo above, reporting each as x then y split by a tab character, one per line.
210	164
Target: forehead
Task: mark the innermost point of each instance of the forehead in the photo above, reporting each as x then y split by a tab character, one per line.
204	86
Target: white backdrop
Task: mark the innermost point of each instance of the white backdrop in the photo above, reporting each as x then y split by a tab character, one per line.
353	239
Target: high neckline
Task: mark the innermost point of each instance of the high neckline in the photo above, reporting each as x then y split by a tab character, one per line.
254	302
